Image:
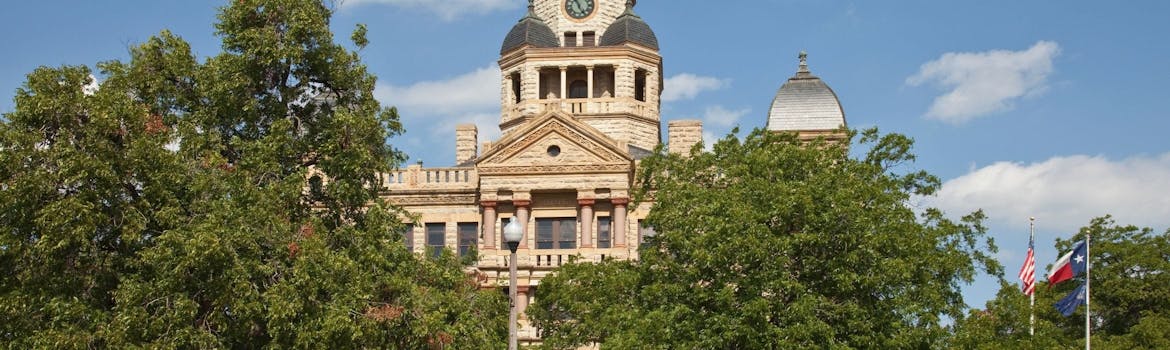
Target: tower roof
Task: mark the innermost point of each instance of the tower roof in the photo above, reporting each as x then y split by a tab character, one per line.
530	30
805	103
629	28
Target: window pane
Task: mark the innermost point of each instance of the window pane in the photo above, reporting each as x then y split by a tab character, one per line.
603	232
435	238
579	89
504	223
408	237
645	233
567	235
544	233
468	237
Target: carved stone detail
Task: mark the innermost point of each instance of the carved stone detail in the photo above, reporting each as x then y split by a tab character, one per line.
544	169
433	199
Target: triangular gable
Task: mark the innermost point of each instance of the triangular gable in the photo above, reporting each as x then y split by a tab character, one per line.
582	148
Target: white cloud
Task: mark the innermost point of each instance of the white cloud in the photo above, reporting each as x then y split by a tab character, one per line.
446	9
686	86
474	91
722	118
982	83
430	110
1064	193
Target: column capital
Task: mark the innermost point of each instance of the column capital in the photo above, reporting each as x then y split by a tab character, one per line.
620	201
521	203
563	68
586	201
589	66
488	204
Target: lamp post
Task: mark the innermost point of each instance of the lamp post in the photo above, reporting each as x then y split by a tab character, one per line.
513	233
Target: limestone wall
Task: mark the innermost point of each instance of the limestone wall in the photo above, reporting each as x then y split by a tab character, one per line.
553	13
684	134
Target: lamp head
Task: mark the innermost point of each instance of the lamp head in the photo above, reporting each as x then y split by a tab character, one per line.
513	231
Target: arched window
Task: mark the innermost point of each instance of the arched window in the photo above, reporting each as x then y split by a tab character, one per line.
640	85
516	87
579	89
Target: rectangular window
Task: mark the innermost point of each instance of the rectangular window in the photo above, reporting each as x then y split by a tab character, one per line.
468	237
556	233
645	234
436	234
589	39
504	223
570	39
408	237
604	225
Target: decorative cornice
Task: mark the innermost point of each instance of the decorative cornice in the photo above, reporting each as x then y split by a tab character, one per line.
460	199
556	169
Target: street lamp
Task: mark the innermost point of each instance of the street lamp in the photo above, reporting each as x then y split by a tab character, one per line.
513	233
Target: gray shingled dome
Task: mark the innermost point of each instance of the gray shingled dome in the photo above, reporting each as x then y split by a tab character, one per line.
629	28
531	31
805	103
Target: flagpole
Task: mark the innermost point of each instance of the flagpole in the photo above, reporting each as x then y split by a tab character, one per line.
1088	266
1032	296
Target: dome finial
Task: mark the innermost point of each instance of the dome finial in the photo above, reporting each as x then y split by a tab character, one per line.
803	62
531	8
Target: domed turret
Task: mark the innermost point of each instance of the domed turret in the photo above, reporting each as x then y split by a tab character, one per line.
629	28
805	104
531	30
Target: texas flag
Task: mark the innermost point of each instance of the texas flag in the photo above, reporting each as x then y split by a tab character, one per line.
1068	266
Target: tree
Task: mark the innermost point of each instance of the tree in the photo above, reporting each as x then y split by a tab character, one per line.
172	207
1130	295
771	242
1004	323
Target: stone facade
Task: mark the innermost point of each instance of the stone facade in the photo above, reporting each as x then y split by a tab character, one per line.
574	121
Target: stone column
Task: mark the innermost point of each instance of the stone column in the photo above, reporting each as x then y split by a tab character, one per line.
522	216
489	225
564	84
590	81
522	299
586	222
619	221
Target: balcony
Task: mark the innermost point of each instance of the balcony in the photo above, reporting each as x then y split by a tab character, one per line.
415	177
547	259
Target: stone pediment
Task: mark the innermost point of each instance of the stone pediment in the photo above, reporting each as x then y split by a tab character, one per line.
555	143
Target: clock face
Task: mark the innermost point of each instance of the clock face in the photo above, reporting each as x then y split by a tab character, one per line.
579	8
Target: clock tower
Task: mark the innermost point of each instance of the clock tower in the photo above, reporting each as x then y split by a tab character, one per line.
596	61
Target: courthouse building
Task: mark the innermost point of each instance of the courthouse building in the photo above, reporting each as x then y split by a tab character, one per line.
580	88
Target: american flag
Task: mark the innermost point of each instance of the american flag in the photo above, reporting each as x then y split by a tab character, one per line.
1028	272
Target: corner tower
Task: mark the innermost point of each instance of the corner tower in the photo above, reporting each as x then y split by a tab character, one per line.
595	60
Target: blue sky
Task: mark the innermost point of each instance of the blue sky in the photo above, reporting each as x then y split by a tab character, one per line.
1024	108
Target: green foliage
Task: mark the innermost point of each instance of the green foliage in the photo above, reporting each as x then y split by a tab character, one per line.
1130	296
770	242
171	208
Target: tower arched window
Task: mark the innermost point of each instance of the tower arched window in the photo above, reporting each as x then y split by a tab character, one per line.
515	87
640	85
579	89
